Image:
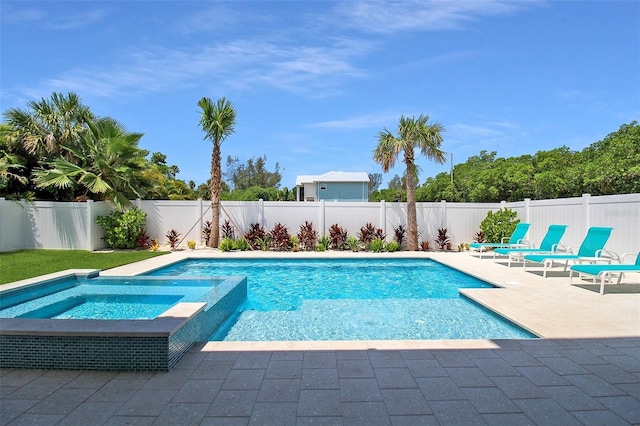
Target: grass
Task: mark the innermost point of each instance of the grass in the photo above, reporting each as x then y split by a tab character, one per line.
24	264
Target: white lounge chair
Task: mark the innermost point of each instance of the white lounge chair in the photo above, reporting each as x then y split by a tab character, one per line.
605	272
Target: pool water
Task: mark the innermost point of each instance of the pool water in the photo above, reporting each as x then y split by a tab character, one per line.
361	299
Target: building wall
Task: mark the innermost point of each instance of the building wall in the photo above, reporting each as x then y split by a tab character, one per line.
342	191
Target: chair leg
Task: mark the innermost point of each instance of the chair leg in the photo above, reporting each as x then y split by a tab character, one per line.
602	279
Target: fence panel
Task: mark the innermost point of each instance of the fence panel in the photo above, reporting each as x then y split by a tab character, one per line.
565	211
622	213
241	214
56	225
352	216
165	215
12	227
291	214
463	220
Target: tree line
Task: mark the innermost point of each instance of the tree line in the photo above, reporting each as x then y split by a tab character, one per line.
57	149
607	167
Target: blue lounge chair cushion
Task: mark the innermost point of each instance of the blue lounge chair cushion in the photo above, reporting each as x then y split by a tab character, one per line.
516	237
550	240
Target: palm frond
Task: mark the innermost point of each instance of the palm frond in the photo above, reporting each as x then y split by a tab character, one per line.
94	183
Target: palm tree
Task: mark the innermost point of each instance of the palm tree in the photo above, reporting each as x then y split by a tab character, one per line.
108	164
218	121
49	125
412	134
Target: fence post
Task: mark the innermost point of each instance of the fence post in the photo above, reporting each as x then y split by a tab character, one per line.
322	218
527	216
443	208
586	209
261	212
89	215
200	214
383	215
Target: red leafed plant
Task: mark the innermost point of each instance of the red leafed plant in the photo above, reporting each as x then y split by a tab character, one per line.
369	233
254	235
280	237
338	237
307	236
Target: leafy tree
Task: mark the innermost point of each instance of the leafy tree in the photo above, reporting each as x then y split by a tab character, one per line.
253	173
218	122
397	183
286	194
255	193
612	165
108	165
375	180
13	179
412	134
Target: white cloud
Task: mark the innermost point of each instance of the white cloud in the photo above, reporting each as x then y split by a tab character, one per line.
306	70
364	121
386	17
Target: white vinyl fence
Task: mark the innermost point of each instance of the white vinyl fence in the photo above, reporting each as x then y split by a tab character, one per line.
57	225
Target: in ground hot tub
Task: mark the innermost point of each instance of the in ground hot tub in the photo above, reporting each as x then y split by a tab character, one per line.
86	322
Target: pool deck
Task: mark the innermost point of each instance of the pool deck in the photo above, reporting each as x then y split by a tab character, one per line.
584	370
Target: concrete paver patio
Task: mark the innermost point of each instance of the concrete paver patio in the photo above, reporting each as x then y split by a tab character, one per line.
585	370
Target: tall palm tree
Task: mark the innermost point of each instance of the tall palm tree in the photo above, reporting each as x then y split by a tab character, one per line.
109	165
413	133
218	121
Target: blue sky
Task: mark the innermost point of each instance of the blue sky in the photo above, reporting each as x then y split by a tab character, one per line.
314	82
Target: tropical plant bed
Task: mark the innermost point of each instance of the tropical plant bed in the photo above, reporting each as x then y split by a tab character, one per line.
20	265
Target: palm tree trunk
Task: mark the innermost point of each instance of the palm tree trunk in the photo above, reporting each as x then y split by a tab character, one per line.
412	217
215	196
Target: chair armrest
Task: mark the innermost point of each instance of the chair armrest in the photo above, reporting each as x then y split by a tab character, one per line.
564	249
624	255
609	255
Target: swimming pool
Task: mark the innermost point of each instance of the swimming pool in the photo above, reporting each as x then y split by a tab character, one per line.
350	299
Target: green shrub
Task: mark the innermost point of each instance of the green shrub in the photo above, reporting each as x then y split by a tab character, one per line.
323	243
499	224
121	229
294	242
353	243
227	244
241	244
377	245
392	246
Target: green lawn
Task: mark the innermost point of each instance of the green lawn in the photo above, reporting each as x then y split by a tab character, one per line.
24	264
